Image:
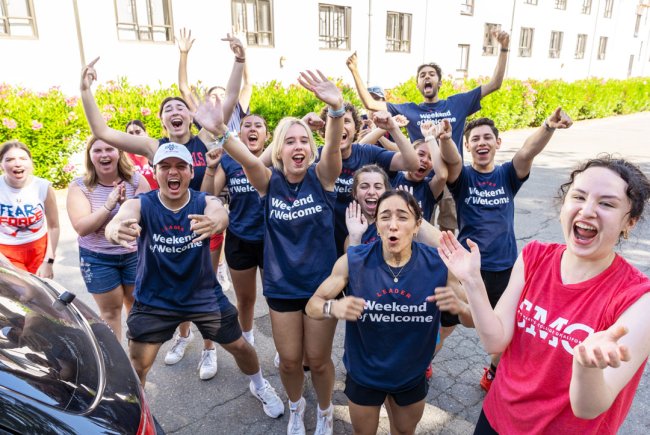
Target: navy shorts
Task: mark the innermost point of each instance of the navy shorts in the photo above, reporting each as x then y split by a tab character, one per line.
104	272
149	324
364	396
242	254
287	305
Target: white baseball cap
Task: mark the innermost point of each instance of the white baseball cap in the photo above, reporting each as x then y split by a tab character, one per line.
172	149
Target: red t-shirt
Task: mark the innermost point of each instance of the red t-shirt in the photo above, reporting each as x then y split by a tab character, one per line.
530	395
144	168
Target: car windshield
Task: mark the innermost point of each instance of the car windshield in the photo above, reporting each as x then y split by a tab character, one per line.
45	352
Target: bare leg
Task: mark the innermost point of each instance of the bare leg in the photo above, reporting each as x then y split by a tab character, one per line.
365	419
245	356
288	337
318	338
110	308
245	283
404	419
142	356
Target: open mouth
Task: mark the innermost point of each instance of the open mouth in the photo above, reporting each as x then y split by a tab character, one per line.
18	172
422	171
584	232
482	151
370	203
428	86
174	184
176	122
252	138
393	239
105	163
298	159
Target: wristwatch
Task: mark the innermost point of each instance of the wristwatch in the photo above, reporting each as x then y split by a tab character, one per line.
50	261
327	308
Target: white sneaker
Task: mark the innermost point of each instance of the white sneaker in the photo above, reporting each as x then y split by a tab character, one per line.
222	276
296	416
325	422
177	351
208	364
276	360
272	404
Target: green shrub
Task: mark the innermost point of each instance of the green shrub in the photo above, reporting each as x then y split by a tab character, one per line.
54	127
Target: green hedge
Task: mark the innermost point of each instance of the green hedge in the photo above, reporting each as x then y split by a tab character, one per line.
53	124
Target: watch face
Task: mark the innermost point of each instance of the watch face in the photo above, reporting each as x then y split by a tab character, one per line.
50	261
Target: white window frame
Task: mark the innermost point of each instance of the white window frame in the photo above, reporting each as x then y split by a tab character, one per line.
398	32
581	46
332	34
464	57
609	8
490	43
254	18
11	21
602	48
586	7
555	45
141	26
526	36
560	4
467	7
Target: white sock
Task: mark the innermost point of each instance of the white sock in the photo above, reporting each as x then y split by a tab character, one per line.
327	411
294	405
257	379
249	337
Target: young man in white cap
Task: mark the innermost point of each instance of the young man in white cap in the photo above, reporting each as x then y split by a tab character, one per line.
175	279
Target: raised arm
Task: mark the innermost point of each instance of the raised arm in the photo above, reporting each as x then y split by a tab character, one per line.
495	327
53	232
210	116
234	82
215	178
348	308
499	71
124	228
356	223
246	91
330	164
439	179
367	100
142	145
185	42
406	159
535	143
607	360
448	150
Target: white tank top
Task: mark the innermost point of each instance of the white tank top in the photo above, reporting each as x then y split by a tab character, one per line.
22	212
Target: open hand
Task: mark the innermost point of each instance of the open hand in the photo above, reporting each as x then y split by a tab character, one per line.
462	263
601	349
185	40
322	88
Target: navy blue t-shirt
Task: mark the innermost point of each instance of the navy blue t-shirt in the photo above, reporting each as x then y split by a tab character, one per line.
457	108
421	191
392	343
246	209
299	250
198	149
173	272
370	235
362	154
485	206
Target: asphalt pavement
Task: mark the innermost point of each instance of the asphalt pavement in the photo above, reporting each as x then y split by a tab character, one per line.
184	404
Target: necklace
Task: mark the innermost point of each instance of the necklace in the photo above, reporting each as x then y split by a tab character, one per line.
174	210
395	275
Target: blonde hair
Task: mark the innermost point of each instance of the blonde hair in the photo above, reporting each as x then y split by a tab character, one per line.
125	167
280	133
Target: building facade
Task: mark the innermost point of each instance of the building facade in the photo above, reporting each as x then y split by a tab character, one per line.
46	42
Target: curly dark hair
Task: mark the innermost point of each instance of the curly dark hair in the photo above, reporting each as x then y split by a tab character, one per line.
638	185
349	107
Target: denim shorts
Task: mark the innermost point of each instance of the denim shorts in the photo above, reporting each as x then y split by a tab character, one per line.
104	272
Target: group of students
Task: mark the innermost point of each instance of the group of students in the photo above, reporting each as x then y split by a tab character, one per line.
342	232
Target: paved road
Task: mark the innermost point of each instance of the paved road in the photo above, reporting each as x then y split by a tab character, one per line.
186	405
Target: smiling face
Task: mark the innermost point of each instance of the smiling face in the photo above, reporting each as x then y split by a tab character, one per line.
425	162
482	143
397	224
104	158
17	166
177	120
173	176
349	132
369	187
594	213
254	133
428	82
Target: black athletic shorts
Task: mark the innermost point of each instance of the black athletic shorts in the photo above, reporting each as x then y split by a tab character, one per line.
364	396
242	254
287	305
495	284
483	426
148	324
